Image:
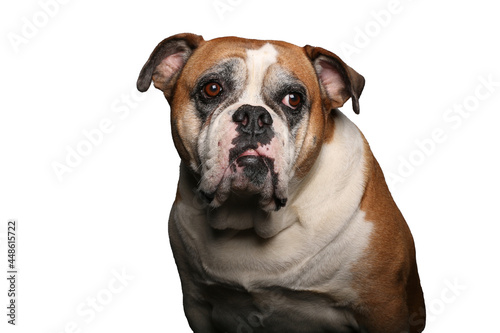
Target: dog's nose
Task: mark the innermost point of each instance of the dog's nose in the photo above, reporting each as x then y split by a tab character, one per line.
254	120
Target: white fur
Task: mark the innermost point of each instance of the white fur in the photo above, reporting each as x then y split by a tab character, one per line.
326	230
323	233
257	61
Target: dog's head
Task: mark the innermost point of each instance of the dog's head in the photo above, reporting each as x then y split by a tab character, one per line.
248	115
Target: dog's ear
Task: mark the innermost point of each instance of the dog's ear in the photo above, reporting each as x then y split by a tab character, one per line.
166	62
338	80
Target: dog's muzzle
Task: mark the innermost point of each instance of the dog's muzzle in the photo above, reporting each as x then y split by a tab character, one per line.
253	159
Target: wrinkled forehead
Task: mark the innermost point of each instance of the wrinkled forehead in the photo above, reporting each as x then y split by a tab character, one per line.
257	55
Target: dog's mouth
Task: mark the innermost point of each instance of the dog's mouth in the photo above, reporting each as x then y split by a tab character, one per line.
252	163
251	173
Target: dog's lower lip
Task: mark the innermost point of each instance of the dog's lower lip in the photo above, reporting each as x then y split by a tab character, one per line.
249	152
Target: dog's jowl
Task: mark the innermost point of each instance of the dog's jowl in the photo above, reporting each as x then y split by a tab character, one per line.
297	231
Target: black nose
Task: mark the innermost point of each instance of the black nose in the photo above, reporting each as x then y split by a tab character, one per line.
254	120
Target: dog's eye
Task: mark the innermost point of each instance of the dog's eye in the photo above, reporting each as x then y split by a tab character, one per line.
292	100
212	89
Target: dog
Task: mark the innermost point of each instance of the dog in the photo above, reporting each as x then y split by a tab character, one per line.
282	220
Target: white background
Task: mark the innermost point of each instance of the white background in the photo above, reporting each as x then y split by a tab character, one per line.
109	214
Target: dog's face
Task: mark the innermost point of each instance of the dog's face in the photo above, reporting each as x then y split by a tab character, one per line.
249	116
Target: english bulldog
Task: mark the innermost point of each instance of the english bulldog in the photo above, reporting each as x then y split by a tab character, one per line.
282	221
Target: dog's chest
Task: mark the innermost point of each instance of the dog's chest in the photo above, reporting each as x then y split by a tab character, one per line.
277	310
305	292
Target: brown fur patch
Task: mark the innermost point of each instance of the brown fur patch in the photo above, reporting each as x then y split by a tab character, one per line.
386	278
